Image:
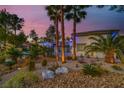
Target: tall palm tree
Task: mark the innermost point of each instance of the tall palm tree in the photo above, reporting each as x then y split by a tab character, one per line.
109	45
75	13
63	33
54	14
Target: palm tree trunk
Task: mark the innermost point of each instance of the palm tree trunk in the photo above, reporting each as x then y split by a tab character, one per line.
109	57
63	34
74	39
57	41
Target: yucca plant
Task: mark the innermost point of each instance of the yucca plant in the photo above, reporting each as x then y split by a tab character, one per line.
109	45
14	53
93	70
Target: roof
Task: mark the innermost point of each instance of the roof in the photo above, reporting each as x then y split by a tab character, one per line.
96	32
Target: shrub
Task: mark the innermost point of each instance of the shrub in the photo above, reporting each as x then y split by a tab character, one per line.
92	70
32	65
44	63
21	80
2	59
69	58
117	67
4	69
10	64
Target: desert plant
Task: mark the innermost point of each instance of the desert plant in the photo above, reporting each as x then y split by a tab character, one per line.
10	64
117	67
32	65
2	59
14	53
92	70
21	79
44	63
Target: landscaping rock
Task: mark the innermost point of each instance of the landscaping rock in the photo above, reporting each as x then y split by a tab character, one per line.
8	60
47	74
61	70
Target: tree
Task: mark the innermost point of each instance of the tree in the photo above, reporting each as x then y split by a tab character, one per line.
51	33
75	13
10	22
2	35
16	23
5	23
117	8
33	35
109	45
54	14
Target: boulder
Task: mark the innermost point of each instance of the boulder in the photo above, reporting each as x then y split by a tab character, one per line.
47	74
8	60
61	70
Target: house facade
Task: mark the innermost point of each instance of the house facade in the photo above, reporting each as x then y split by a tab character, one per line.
82	40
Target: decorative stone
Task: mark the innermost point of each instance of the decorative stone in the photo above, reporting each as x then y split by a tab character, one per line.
47	74
8	60
61	70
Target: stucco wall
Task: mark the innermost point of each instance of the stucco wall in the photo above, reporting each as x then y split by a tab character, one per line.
87	41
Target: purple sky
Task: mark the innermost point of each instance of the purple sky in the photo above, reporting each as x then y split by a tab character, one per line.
97	19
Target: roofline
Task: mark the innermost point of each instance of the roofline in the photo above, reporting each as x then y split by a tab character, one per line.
96	32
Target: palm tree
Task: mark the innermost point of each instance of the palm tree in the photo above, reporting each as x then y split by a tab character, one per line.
75	13
63	33
109	45
54	14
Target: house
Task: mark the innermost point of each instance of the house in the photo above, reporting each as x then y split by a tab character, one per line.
68	47
82	39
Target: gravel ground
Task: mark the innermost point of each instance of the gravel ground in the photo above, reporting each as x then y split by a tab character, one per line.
76	79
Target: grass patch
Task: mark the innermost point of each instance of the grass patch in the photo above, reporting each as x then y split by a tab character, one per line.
21	80
116	67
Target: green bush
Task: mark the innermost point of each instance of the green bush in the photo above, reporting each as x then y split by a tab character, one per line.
117	67
21	80
32	65
44	63
93	70
10	64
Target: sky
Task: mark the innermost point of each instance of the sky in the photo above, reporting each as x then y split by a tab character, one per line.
35	17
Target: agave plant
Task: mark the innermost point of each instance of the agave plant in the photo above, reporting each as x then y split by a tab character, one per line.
109	45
